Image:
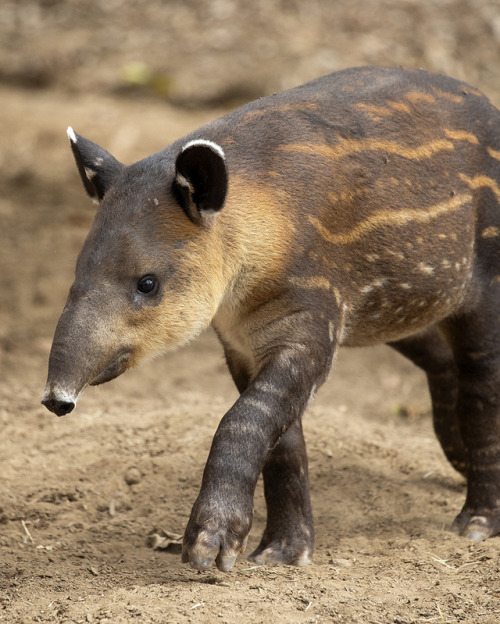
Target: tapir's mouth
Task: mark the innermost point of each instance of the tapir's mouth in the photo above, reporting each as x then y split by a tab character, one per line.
115	368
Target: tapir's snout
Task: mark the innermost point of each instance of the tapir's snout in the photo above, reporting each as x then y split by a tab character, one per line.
58	402
87	350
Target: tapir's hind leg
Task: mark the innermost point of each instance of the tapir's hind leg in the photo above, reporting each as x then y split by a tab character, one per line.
475	339
289	534
430	351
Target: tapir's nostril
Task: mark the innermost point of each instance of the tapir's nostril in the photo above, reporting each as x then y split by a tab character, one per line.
64	407
59	407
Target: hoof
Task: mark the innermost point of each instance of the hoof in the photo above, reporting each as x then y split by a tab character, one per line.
279	554
476	527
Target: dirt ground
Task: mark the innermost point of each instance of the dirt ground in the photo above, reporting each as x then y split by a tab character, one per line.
80	494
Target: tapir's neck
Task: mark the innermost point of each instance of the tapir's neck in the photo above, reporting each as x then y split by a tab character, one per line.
260	239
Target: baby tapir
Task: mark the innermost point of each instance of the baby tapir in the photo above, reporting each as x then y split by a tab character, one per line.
362	207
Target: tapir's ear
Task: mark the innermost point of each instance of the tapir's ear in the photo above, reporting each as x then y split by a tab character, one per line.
200	182
98	169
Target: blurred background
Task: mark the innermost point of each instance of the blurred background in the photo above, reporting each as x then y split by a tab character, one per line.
134	75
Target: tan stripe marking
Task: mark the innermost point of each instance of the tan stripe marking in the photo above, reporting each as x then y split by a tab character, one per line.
468	89
343	196
316	281
388	218
461	135
480	182
416	96
281	109
493	153
354	146
400	106
490	232
449	96
374	111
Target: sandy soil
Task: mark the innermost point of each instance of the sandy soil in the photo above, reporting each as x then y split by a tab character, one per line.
79	495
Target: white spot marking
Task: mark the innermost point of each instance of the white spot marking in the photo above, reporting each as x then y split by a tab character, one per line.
338	298
71	134
330	330
98	161
406	286
425	268
397	254
213	146
376	284
156	202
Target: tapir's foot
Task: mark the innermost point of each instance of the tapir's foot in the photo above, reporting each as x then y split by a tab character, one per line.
216	533
477	524
291	548
206	551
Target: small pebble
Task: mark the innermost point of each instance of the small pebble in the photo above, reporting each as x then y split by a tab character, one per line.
133	476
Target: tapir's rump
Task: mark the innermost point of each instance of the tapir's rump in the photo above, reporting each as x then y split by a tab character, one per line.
362	207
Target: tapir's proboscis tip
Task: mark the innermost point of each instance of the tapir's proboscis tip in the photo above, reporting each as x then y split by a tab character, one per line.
58	402
60	408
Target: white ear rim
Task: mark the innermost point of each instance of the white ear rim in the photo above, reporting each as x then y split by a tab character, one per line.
71	134
213	146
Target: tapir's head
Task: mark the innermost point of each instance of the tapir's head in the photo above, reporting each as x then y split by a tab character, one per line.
153	269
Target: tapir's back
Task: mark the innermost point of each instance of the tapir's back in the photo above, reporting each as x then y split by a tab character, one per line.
414	115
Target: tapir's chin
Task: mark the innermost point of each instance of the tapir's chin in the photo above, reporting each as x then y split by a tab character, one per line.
115	368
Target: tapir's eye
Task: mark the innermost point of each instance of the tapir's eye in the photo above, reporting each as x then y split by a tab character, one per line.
147	285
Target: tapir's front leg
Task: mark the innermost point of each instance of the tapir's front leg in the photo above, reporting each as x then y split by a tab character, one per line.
289	533
222	515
